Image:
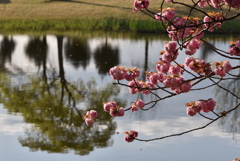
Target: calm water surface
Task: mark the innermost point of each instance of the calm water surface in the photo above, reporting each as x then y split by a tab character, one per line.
48	82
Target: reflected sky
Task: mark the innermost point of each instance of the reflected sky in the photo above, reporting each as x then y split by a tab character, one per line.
169	117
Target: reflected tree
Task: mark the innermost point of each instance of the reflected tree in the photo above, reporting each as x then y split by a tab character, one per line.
77	52
206	51
6	51
57	126
231	122
55	108
36	50
105	57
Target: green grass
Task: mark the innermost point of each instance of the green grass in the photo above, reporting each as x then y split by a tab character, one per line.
105	24
75	15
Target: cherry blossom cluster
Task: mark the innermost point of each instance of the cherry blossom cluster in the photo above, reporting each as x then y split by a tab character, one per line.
177	84
165	15
211	21
202	105
222	68
170	52
198	66
130	136
185	34
234	48
183	27
138	104
90	116
140	4
166	73
192	46
119	73
233	3
213	3
136	86
218	3
177	28
113	109
174	81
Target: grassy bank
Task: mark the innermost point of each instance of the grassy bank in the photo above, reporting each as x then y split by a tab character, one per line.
105	24
74	15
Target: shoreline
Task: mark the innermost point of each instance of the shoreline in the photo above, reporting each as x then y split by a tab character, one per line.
89	25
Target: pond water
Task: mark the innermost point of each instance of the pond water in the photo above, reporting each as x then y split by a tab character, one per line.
48	82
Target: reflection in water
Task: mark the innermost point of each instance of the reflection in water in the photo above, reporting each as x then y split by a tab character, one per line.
7	48
77	52
206	51
106	57
36	50
53	105
57	126
231	123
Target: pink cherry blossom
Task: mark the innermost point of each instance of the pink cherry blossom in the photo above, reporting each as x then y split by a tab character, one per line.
208	105
133	86
191	111
121	111
233	50
171	46
93	114
132	74
211	18
199	32
232	3
140	4
137	104
191	49
215	3
227	66
130	136
188	60
90	116
134	108
220	72
169	56
108	105
202	3
89	121
183	88
222	68
168	15
175	70
194	107
208	26
116	112
147	86
118	73
237	44
155	78
198	66
162	66
190	52
194	44
165	15
172	81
